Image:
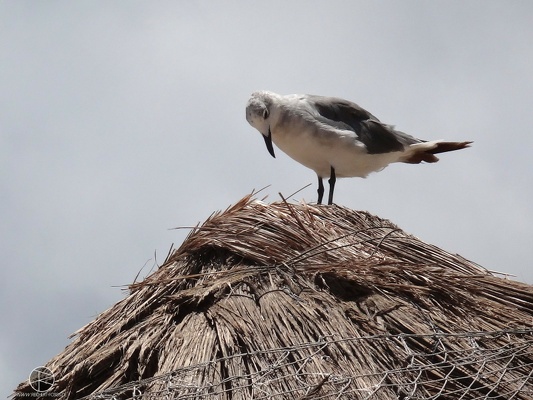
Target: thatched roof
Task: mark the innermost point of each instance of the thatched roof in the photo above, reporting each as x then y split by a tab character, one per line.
298	301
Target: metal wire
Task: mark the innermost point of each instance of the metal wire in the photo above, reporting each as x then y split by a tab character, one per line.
481	370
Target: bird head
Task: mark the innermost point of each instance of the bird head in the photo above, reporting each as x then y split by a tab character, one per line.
257	115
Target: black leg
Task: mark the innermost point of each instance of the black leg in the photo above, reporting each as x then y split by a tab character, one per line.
320	190
332	180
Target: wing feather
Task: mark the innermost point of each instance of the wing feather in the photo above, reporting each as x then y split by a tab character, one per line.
343	114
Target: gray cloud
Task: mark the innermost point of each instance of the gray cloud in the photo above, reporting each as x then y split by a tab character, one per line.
121	120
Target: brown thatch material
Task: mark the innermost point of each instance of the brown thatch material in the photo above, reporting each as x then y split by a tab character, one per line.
300	301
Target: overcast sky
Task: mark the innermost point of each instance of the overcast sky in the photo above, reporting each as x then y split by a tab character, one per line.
120	120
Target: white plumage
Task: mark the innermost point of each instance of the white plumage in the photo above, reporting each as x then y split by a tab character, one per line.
335	137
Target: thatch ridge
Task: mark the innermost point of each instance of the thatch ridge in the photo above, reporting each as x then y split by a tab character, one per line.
260	277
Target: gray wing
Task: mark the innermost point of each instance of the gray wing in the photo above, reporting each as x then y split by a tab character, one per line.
376	136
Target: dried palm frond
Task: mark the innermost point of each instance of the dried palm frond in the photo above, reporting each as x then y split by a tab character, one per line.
302	301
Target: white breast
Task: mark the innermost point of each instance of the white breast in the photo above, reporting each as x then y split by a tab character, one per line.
320	147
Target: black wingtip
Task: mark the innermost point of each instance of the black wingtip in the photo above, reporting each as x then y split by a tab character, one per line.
268	142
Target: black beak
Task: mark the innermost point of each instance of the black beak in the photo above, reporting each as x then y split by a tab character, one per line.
268	142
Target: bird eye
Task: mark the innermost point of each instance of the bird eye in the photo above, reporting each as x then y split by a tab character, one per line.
265	114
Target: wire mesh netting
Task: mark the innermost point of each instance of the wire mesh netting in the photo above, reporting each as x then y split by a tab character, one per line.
475	365
292	301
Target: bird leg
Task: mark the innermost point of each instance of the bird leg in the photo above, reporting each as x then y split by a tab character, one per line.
332	179
320	190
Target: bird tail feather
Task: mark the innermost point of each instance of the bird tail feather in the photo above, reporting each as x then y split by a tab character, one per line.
425	152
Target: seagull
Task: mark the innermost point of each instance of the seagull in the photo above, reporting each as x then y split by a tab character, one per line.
335	137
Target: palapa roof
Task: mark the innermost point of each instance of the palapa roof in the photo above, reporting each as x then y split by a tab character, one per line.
274	301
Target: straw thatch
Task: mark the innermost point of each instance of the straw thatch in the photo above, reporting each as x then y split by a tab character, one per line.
298	301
